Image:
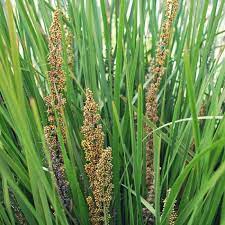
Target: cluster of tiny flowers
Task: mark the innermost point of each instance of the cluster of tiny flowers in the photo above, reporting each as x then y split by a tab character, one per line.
98	163
103	183
157	71
93	136
173	215
17	211
55	102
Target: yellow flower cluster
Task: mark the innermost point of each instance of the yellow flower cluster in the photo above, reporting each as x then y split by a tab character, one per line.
98	163
158	67
55	102
157	71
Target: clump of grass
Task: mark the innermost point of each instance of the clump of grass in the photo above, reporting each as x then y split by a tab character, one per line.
45	68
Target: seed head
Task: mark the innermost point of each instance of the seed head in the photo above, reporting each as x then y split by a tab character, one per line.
157	71
98	163
103	183
93	136
55	102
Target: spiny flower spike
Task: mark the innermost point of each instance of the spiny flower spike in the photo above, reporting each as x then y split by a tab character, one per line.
103	184
93	136
157	71
98	163
55	102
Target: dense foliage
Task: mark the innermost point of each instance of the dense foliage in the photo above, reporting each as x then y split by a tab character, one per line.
111	112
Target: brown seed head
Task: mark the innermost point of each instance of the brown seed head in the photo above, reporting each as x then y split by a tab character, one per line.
55	102
93	136
103	183
157	71
98	163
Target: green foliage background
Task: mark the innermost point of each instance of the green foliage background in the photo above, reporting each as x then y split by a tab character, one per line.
113	46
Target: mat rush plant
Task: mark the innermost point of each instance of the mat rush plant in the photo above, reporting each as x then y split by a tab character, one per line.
112	112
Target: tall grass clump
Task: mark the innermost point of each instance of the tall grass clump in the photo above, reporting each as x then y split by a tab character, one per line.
112	112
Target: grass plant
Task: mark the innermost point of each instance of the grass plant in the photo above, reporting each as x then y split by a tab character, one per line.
110	50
